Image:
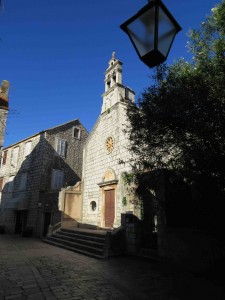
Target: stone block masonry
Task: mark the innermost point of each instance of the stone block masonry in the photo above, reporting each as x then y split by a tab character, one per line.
106	146
33	172
97	160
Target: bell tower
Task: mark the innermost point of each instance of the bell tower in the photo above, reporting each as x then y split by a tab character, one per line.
107	144
115	91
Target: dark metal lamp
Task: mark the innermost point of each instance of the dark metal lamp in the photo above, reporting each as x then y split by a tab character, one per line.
152	31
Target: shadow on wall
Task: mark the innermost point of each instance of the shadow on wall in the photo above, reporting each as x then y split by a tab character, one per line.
30	197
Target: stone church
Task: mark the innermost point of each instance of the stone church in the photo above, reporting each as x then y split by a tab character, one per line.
101	215
95	210
104	190
103	195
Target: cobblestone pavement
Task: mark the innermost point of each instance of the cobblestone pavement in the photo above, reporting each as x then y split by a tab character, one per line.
31	269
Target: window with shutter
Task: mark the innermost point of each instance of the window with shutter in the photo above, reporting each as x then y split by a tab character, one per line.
61	147
1	183
4	158
27	149
23	182
57	179
10	183
14	158
76	133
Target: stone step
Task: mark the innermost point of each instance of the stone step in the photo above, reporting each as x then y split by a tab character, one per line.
53	243
84	240
78	235
87	242
86	232
76	245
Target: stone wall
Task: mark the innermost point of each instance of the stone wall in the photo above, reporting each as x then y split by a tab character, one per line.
11	197
97	160
3	118
75	146
38	197
132	226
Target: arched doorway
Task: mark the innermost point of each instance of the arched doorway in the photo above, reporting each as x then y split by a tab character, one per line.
108	188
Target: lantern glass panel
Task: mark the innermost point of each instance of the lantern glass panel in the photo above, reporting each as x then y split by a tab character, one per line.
142	32
166	33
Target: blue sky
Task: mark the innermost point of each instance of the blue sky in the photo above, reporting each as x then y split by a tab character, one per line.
54	53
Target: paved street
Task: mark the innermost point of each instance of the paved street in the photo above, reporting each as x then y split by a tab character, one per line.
31	269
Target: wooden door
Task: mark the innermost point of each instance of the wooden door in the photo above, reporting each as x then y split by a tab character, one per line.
109	208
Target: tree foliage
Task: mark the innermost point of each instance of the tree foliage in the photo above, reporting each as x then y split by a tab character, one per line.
179	122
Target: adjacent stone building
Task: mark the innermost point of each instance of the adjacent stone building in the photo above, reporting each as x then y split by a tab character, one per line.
32	173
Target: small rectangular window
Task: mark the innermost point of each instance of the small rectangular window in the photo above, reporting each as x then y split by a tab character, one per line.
1	183
76	133
4	158
23	182
10	183
14	157
61	147
57	179
27	149
126	94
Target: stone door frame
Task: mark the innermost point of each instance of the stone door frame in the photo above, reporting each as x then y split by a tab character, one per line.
109	183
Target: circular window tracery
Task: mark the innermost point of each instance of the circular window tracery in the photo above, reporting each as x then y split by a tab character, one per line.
109	144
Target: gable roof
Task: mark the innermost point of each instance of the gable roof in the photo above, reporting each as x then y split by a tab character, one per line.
41	132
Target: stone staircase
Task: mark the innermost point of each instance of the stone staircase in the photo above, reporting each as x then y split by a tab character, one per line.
93	243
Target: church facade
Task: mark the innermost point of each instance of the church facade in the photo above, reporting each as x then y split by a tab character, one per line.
105	156
96	193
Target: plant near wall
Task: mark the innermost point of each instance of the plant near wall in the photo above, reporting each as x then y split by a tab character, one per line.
124	201
128	178
179	123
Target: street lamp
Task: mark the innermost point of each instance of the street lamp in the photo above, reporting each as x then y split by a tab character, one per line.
152	31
